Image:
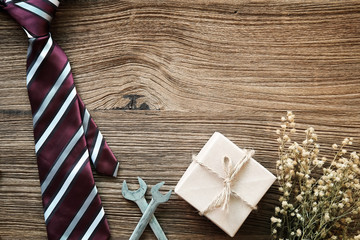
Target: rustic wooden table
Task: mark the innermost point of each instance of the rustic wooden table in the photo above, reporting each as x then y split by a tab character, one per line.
159	77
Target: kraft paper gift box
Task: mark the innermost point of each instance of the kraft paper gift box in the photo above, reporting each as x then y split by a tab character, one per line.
200	184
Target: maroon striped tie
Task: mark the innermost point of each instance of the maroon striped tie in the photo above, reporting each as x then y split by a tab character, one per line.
65	135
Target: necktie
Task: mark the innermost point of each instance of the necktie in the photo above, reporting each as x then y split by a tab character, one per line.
66	137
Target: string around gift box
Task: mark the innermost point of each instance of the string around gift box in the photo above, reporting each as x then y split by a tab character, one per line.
223	198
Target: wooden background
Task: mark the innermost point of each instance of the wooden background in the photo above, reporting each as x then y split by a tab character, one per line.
159	77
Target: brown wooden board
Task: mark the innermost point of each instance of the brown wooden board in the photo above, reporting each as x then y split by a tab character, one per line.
159	77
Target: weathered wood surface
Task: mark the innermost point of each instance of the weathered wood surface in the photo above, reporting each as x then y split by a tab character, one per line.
199	67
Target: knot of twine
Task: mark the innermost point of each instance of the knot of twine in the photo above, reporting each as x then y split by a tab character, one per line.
223	198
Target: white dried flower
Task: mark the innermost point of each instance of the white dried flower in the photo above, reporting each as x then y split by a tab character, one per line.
323	198
291	118
326	217
277	209
275	220
299	197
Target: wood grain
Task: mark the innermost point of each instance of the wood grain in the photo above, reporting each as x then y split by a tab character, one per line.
197	67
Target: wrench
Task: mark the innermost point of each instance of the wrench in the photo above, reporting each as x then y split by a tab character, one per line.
137	196
157	199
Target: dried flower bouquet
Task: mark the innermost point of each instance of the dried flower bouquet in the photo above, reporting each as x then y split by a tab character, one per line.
320	196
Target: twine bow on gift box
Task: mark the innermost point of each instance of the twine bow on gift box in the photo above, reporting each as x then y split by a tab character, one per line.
223	198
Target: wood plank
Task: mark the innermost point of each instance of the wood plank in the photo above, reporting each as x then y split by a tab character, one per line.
156	145
243	53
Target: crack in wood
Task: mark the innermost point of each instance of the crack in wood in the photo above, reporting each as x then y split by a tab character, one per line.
15	112
132	104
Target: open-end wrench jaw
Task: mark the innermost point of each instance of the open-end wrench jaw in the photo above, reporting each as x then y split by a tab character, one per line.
157	196
136	194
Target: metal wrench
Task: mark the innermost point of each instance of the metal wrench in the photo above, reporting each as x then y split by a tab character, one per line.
157	199
137	196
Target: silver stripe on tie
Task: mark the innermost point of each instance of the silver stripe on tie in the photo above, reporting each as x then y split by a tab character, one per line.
116	170
66	185
39	60
79	214
31	40
56	120
34	10
94	224
55	2
65	153
96	147
86	120
51	93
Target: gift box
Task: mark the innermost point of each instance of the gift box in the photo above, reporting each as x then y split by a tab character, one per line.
224	183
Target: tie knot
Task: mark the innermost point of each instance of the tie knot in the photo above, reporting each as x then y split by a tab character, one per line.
33	15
